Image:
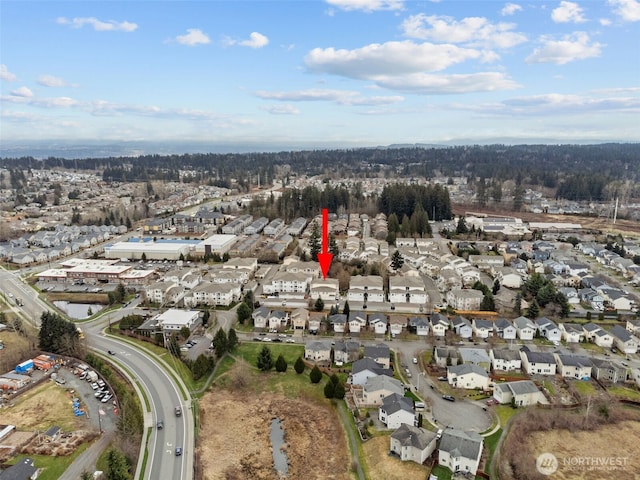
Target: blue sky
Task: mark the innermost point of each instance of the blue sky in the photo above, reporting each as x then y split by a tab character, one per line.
334	72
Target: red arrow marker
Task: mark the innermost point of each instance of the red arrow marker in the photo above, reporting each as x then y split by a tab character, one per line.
324	258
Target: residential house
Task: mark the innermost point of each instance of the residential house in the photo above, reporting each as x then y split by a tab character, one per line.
475	356
278	319
548	329
633	327
439	324
156	292
379	353
375	389
396	410
338	321
315	320
379	323
521	393
445	356
419	325
468	376
525	328
619	300
287	285
327	289
299	319
397	323
508	277
622	339
412	443
482	328
365	368
505	360
571	294
346	351
462	326
603	339
573	366
589	331
357	321
464	299
260	317
318	351
537	363
504	329
406	289
214	294
366	289
572	332
24	469
460	451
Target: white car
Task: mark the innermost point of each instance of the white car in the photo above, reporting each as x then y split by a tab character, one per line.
266	339
106	398
290	340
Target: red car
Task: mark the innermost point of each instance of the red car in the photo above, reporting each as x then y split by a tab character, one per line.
492	401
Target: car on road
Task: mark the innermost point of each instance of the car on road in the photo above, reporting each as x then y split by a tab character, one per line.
290	340
277	340
178	411
111	352
178	451
160	425
449	398
257	339
442	379
266	339
439	434
415	360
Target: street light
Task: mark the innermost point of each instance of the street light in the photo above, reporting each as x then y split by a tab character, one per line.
419	375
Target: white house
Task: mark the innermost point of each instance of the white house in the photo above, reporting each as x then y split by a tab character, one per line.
365	368
379	323
260	317
462	326
318	351
460	451
504	329
525	328
366	289
420	325
538	363
376	388
357	321
339	322
548	329
622	339
521	393
412	443
482	328
396	410
406	289
379	353
327	289
468	376
439	324
573	366
572	332
603	339
506	360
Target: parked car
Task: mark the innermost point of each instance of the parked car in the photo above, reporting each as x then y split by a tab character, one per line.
492	401
415	360
449	398
106	398
442	379
290	340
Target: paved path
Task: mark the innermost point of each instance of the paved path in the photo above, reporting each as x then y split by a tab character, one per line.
87	460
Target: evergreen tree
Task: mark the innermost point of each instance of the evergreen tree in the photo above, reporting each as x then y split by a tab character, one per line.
174	348
333	245
462	228
534	309
397	260
315	375
265	360
232	340
243	313
339	391
281	364
117	466
220	343
329	390
517	307
248	300
205	317
319	305
314	242
299	366
345	309
496	286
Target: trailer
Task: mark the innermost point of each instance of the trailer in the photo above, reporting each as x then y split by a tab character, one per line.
92	376
43	362
25	367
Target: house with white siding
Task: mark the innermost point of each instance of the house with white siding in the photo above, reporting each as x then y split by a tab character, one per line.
420	325
548	329
379	387
504	329
482	328
318	351
462	326
521	393
572	332
573	366
505	360
460	451
525	328
439	324
365	368
468	376
407	289
366	289
357	321
622	339
412	443
537	363
395	410
379	353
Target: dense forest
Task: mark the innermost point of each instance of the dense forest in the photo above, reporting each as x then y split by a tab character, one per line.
575	172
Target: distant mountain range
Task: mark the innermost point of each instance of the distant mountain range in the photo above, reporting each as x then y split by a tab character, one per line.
97	149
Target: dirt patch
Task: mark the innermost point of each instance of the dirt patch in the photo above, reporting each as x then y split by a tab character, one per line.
42	407
607	442
234	438
381	465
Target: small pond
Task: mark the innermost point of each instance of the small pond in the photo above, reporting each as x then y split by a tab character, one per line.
78	310
280	461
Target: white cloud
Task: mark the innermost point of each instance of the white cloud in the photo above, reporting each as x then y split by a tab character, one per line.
285	109
556	102
510	9
576	46
5	74
22	92
98	25
628	10
605	22
51	81
193	37
568	12
255	40
367	5
391	58
341	97
430	84
472	31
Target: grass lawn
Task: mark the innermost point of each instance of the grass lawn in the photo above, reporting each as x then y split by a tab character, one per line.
53	467
592	347
504	413
584	388
249	351
623	392
549	387
442	473
490	443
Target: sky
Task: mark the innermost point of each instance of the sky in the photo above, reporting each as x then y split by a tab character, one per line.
332	72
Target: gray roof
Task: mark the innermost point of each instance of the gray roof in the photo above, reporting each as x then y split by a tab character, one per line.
460	321
573	327
377	351
503	354
459	443
522	387
467	368
410	436
382	382
540	357
502	323
318	346
522	322
394	403
620	333
338	318
575	361
591	327
474	355
371	365
482	323
418	322
22	470
346	346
